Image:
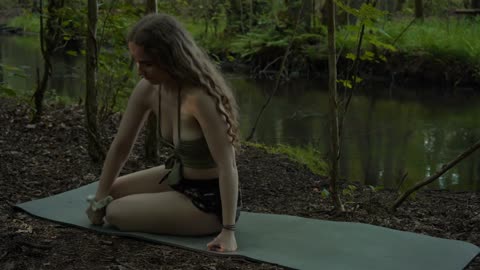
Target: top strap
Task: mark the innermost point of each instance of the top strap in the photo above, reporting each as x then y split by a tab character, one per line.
179	105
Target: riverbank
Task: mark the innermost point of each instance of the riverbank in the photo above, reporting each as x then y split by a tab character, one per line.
438	52
443	53
400	70
50	157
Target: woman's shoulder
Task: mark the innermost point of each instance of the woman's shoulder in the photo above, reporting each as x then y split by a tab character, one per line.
142	93
197	97
144	86
144	90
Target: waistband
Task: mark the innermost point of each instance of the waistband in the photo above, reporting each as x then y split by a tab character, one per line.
212	182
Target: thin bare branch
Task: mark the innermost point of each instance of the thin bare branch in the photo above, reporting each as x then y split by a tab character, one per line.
435	176
279	75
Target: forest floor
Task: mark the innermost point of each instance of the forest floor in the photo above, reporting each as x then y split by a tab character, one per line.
50	157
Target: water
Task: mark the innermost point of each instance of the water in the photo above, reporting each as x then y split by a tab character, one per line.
388	132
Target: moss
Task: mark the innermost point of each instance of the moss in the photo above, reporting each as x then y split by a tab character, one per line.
310	157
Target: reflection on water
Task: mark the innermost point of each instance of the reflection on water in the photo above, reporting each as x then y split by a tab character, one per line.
24	53
387	134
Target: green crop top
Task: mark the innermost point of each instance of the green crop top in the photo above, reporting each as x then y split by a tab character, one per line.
190	153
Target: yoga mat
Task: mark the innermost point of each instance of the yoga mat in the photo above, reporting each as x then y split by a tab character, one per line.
290	241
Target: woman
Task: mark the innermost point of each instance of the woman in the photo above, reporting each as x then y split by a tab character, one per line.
196	191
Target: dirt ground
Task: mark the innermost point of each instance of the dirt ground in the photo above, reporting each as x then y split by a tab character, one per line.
50	157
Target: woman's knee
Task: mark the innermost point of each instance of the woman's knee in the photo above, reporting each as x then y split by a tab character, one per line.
113	214
116	190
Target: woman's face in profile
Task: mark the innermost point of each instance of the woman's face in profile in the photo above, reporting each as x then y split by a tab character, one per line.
147	67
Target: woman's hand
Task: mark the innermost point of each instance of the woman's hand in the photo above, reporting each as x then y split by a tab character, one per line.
224	242
96	217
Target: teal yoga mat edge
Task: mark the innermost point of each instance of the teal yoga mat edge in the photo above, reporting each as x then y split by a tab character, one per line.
31	207
140	237
133	236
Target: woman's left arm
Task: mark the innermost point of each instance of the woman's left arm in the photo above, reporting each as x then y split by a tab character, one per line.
214	128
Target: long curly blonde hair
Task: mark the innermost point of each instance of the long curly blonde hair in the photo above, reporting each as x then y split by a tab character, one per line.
163	37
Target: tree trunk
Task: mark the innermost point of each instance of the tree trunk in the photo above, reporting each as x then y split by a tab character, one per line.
48	39
307	14
399	5
151	6
419	9
151	140
475	3
234	17
41	85
332	85
95	148
250	14
1	68
293	9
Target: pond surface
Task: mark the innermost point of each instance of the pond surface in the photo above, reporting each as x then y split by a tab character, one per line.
388	131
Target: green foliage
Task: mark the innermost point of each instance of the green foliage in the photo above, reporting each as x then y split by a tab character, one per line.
175	7
310	157
6	4
434	7
349	191
315	52
374	43
269	37
309	38
115	81
375	188
22	95
116	77
367	14
253	43
5	90
73	20
373	48
476	72
443	39
325	193
53	97
348	83
15	71
28	21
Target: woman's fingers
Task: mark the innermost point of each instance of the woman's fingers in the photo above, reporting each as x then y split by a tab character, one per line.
96	218
214	246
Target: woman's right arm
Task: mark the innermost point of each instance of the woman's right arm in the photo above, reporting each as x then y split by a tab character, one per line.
130	125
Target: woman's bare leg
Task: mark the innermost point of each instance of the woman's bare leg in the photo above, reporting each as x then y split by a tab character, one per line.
167	212
145	181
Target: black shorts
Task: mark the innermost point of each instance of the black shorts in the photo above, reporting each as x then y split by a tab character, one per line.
205	195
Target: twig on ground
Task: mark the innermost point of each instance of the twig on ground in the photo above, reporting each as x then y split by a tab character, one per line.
3	255
402	180
37	246
115	260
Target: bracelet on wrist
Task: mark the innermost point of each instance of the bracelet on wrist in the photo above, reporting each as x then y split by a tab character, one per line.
99	205
229	227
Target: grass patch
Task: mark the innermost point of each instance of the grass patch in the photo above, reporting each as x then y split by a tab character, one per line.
456	38
309	157
446	39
